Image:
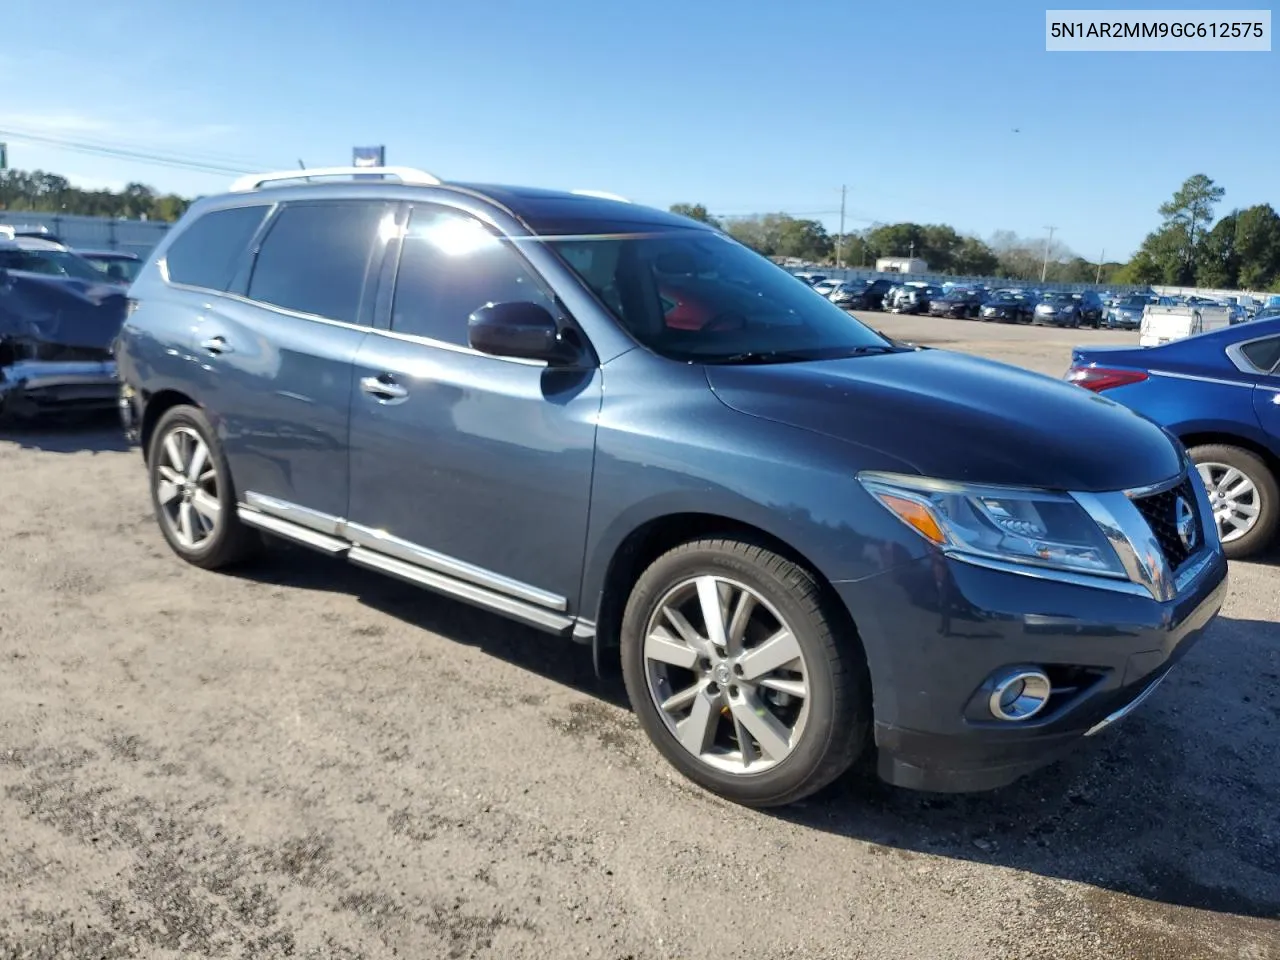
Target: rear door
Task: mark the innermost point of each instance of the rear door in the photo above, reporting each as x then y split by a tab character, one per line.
281	352
1264	355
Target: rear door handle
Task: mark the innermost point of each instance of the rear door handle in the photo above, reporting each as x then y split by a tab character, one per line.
217	345
383	388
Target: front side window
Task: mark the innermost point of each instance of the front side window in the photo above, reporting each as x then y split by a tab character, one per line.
732	304
315	257
207	253
451	265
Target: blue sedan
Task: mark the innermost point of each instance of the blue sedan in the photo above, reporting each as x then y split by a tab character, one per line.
1219	393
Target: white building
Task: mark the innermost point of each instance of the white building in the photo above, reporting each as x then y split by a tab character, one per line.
901	265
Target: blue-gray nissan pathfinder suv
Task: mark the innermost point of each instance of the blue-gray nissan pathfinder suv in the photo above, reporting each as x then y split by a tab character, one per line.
803	540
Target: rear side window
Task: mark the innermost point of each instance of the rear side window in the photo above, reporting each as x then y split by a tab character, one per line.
450	266
206	253
1263	354
315	257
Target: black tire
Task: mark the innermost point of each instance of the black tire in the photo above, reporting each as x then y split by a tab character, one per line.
838	724
1263	532
230	541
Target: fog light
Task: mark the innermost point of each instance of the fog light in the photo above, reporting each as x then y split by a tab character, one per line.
1020	695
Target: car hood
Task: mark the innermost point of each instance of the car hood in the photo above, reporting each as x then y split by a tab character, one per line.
955	417
57	310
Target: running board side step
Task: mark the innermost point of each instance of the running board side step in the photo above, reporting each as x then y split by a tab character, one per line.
293	531
461	590
474	594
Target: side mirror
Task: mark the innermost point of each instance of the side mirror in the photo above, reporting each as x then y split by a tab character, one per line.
518	329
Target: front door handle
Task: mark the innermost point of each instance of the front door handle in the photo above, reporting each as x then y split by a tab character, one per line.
383	388
217	345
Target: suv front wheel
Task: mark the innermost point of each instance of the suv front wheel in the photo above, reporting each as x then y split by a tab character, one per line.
192	493
742	674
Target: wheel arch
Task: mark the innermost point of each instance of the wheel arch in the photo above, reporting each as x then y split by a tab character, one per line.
1202	436
155	407
654	537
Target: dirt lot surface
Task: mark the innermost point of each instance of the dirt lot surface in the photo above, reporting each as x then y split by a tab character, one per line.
305	760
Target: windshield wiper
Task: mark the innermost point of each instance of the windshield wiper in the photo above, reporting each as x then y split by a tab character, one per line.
761	356
801	356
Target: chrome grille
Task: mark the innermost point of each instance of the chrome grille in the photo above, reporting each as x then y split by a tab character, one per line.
1160	512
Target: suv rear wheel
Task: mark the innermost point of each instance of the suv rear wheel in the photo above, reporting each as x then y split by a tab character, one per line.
741	673
1244	496
192	493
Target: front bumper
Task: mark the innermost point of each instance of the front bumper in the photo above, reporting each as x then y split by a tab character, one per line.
937	630
30	387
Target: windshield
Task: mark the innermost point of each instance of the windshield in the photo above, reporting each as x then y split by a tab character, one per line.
53	262
693	295
1135	303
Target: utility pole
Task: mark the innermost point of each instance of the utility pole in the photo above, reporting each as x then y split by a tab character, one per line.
911	250
840	235
1101	260
1044	267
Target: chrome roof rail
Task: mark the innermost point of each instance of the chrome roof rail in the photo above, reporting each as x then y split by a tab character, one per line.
410	175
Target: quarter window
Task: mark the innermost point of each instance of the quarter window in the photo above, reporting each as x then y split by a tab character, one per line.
206	253
451	265
1263	354
315	257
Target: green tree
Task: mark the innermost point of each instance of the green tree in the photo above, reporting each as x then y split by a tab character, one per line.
781	235
1186	219
975	259
1217	262
694	211
1257	243
1142	269
38	191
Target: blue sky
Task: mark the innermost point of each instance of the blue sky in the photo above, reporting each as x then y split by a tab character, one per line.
747	107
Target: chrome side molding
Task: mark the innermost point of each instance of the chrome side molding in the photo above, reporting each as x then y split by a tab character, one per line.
377	550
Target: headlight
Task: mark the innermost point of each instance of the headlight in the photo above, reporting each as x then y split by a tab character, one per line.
1040	528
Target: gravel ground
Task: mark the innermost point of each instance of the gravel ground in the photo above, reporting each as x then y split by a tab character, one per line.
305	760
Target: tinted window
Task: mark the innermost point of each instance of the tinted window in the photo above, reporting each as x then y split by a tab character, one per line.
207	252
316	255
450	266
734	305
1263	354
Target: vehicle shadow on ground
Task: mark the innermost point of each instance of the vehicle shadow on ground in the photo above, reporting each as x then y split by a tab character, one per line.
558	659
1176	804
1146	809
91	433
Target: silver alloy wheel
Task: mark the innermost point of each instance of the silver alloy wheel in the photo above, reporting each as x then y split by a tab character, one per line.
187	487
1234	498
727	674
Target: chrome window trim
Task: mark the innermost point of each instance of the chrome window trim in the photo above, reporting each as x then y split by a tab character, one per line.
1235	353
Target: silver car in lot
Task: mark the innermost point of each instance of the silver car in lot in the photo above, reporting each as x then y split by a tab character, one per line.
1127	312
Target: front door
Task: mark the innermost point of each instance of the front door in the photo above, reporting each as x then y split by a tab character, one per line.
468	466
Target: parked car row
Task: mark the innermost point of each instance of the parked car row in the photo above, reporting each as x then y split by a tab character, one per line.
1010	305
